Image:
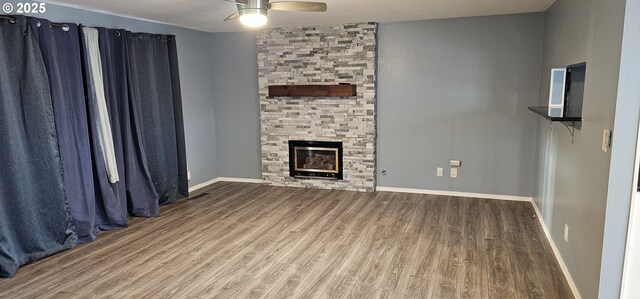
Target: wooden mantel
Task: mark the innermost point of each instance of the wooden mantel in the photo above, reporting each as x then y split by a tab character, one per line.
336	90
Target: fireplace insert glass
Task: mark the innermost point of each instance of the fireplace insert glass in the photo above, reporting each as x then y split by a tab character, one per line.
315	159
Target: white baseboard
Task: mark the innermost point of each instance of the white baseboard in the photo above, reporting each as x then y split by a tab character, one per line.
224	179
241	180
202	185
455	193
556	252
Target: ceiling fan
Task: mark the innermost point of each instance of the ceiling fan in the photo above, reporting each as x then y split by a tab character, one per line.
253	13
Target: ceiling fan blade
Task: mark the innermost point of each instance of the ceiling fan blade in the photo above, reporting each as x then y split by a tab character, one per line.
298	6
232	17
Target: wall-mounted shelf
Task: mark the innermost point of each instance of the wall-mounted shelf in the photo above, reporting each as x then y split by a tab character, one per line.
337	90
553	114
569	120
566	93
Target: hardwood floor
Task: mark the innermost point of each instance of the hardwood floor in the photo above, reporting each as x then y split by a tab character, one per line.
254	241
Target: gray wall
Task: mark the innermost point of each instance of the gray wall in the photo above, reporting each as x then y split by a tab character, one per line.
622	156
490	70
193	57
459	89
235	83
572	177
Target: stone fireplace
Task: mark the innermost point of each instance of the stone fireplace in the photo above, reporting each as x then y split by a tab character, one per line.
319	55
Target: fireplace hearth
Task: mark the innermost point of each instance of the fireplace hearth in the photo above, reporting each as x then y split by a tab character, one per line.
315	159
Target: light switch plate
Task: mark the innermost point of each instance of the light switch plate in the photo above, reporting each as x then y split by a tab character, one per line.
454	172
439	171
606	140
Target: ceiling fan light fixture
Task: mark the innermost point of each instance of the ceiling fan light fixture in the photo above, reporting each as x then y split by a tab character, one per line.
253	18
253	13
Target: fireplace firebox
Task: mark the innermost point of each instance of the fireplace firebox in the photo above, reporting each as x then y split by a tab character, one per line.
315	159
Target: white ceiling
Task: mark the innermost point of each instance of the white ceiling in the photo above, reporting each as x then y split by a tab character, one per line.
207	15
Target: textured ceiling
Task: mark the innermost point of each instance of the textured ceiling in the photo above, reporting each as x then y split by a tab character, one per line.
207	15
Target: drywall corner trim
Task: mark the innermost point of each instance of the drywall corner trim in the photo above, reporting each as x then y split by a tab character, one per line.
556	252
455	193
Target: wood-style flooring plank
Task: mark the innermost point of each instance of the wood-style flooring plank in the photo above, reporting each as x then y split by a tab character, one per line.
500	274
473	280
310	255
398	274
256	241
423	269
551	276
370	281
277	261
526	277
336	253
450	264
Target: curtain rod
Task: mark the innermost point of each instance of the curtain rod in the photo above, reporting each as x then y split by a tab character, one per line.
64	26
114	31
152	35
11	19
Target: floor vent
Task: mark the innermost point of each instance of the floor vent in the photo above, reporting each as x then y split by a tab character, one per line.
198	196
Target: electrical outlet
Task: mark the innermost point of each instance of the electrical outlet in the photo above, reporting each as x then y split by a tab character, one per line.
439	171
454	172
566	233
606	140
455	163
384	172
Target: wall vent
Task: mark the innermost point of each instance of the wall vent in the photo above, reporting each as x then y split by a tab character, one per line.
198	196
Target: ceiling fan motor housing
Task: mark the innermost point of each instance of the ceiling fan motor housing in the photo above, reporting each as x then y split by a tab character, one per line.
253	13
254	7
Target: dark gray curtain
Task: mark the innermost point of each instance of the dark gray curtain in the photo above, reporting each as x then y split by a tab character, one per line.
34	215
55	176
183	182
153	93
110	209
60	49
136	186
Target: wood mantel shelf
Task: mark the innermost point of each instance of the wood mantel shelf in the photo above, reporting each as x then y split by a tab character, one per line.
336	90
